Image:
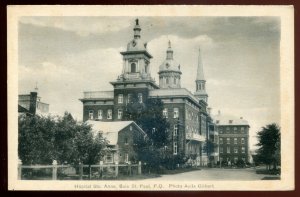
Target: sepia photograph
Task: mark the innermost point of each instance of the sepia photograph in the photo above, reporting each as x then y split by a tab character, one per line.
150	98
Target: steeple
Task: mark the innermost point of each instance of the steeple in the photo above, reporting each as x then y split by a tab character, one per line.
200	73
200	81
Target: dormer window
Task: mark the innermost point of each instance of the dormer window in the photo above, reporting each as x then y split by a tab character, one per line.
230	121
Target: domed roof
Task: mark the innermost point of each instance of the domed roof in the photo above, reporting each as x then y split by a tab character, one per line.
136	45
169	65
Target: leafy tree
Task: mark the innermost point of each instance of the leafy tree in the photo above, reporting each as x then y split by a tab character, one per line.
148	116
44	139
36	139
269	145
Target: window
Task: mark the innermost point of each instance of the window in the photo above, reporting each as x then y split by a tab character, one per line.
175	130
100	113
126	141
235	150
140	97
242	130
235	159
175	148
174	80
235	140
227	129
129	98
165	113
228	140
133	67
167	80
120	113
153	130
126	158
120	98
109	114
242	140
221	149
243	149
176	113
228	149
109	158
221	140
91	114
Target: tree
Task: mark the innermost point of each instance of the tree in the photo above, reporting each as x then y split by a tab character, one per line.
148	116
35	140
269	145
44	139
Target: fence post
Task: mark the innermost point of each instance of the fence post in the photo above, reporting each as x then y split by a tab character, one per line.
116	168
101	169
54	170
19	169
80	170
140	168
129	167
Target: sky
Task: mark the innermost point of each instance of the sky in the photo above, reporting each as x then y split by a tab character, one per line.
66	56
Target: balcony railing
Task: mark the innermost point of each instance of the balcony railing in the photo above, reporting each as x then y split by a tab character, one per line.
195	136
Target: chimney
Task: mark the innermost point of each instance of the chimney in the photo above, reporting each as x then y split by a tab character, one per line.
219	112
33	101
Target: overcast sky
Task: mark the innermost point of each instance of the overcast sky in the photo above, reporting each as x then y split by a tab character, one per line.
69	55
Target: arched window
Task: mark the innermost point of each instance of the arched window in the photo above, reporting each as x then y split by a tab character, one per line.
133	67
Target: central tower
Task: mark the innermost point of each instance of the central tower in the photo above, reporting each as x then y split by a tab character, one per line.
136	59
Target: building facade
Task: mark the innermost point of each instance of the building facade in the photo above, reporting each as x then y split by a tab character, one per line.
186	112
233	139
31	104
122	137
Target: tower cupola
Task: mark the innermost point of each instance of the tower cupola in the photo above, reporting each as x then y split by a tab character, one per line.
169	71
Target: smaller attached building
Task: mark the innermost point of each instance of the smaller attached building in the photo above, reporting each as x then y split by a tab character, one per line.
122	137
233	138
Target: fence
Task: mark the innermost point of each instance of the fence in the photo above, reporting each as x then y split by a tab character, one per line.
79	172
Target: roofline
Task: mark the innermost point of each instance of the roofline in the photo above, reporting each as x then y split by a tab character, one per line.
166	71
152	82
92	99
177	96
139	128
135	52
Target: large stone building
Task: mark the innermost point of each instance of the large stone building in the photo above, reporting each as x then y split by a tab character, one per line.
233	138
190	124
